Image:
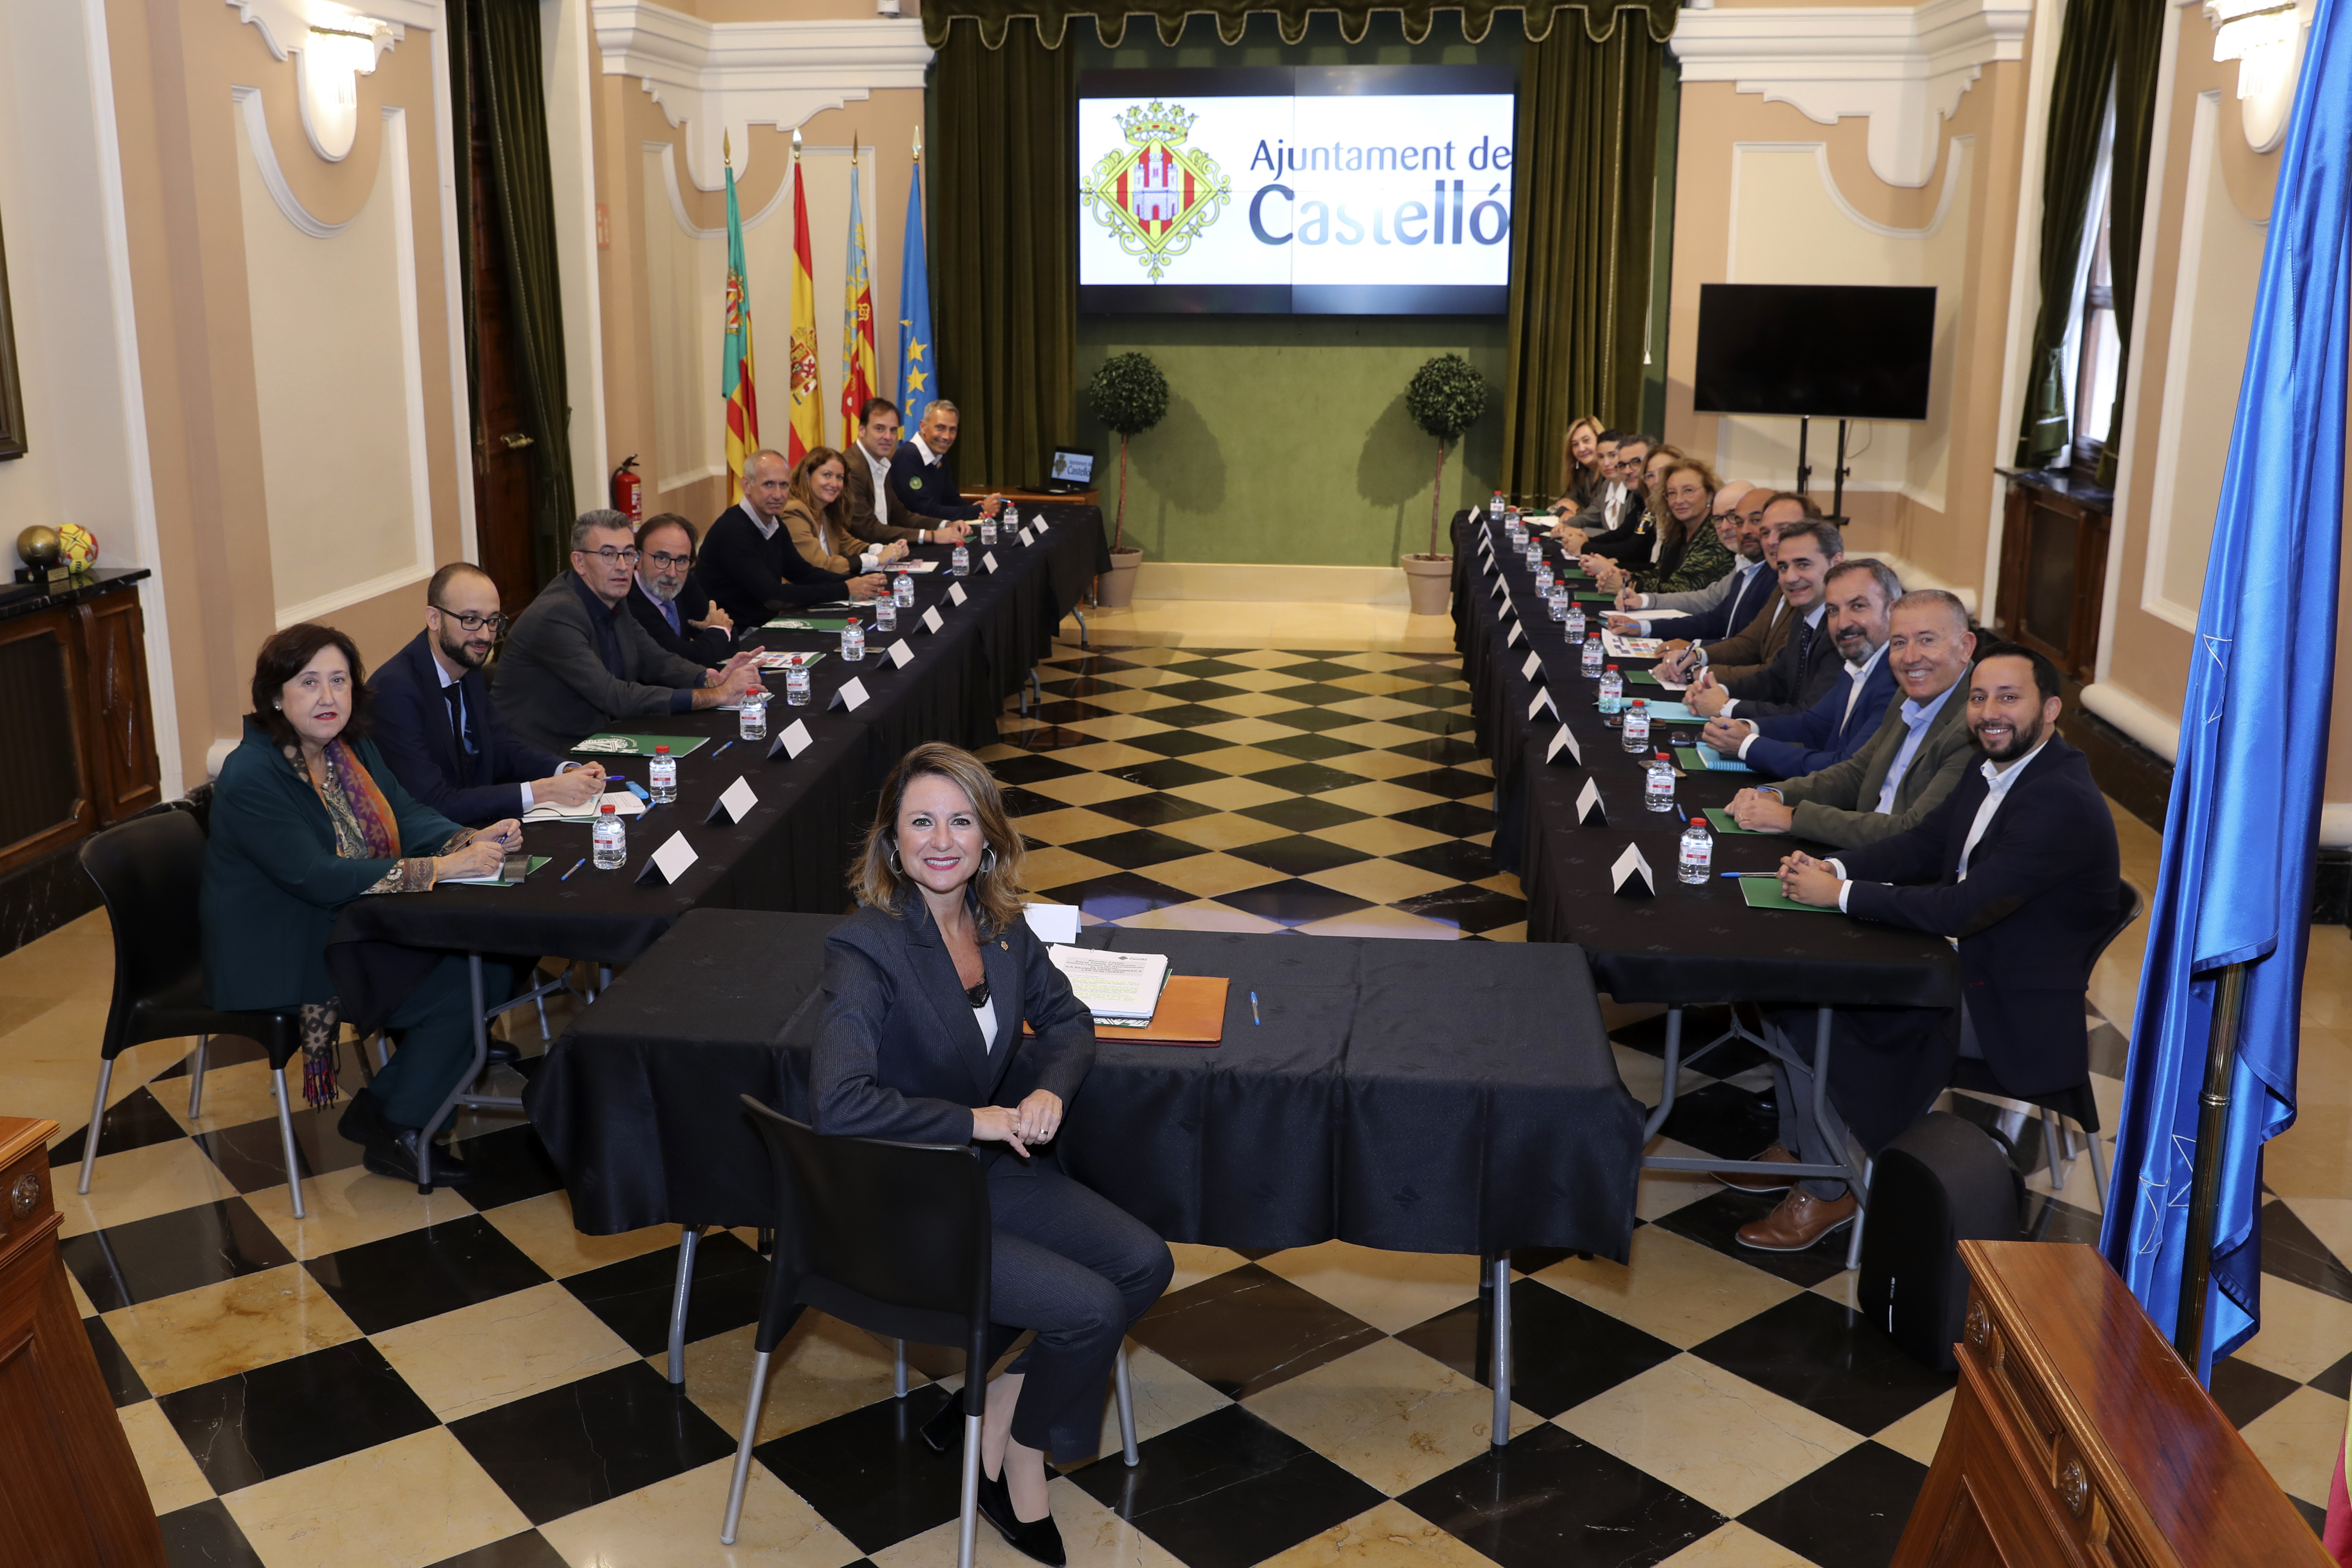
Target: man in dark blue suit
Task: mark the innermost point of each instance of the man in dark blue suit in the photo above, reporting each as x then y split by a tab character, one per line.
1862	594
438	729
923	480
668	602
2017	867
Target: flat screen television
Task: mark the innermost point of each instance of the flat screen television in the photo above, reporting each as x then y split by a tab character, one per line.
1828	350
1305	190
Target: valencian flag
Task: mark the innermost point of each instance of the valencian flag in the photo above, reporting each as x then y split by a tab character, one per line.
735	352
2240	837
857	375
915	381
807	382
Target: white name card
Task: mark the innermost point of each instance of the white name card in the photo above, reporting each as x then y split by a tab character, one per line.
988	559
1630	874
1043	528
1565	741
1517	635
1053	923
1498	587
1026	539
1533	669
735	803
956	595
1492	569
900	655
850	696
1542	701
794	740
669	863
932	621
1590	811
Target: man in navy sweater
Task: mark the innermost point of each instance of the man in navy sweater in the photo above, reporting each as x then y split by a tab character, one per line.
922	480
438	729
1861	595
2018	869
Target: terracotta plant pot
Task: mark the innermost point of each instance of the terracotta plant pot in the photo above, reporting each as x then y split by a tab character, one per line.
1430	580
1115	589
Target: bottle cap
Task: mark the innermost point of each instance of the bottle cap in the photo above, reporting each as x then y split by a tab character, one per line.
1613	667
607	810
1698	822
661	751
1662	757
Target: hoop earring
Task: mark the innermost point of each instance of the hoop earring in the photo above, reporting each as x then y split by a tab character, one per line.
988	860
890	859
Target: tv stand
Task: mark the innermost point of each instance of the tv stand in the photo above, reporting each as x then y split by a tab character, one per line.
1805	467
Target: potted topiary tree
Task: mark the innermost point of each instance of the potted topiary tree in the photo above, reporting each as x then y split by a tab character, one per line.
1130	395
1445	397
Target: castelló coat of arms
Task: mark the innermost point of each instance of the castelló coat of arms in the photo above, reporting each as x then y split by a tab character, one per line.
1156	195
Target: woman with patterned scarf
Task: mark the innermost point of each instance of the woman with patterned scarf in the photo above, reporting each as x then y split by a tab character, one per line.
305	816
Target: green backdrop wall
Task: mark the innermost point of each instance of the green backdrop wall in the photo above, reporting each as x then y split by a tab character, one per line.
1287	439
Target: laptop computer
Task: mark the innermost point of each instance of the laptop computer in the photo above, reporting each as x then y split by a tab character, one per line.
1070	471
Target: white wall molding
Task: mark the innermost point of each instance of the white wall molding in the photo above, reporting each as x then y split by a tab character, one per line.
1904	67
715	78
1915	575
2158	732
265	158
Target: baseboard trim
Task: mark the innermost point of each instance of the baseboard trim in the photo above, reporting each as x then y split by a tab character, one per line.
1251	583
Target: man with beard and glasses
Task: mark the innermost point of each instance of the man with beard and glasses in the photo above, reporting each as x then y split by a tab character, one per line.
437	727
1862	594
667	601
2018	870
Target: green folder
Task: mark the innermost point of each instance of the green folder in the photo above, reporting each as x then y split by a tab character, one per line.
1596	598
638	745
1720	820
1763	892
1703	758
802	624
1642	677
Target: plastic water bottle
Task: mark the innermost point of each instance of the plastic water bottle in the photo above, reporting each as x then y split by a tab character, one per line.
959	563
885	613
1557	600
1697	859
1535	553
1575	616
751	719
1516	531
663	770
1494	507
988	530
796	686
1637	725
1658	786
1593	656
852	641
1543	578
609	848
903	589
1011	521
1613	697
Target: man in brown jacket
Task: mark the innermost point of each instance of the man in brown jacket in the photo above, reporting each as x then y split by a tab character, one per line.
869	484
1750	650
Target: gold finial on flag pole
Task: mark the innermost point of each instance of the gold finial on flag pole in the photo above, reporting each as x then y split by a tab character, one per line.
853	149
796	143
726	150
918	143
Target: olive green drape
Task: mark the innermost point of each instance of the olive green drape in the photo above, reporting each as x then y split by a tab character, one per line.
1052	17
2078	101
1003	183
1580	277
500	39
2139	48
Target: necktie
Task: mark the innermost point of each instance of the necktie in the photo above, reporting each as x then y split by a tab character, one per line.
1805	646
454	695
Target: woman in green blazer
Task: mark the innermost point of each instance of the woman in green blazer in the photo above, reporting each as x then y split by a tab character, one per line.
305	818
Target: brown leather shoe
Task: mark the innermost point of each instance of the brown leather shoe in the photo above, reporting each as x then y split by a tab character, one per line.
1749	1182
1801	1220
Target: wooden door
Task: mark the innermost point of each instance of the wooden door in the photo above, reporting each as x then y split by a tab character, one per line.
119	726
45	795
503	461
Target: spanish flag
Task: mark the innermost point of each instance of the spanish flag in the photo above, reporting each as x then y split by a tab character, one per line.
735	353
858	374
807	382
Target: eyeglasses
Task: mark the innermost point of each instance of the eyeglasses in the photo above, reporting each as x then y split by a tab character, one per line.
662	560
612	557
474	623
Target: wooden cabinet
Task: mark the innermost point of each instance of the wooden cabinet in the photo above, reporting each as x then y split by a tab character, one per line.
2053	569
74	703
70	1492
2079	1440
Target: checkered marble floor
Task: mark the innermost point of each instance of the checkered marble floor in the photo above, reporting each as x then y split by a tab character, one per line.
466	1380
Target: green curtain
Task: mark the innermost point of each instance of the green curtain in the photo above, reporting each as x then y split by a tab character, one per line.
2078	101
2139	48
1004	195
994	18
1580	275
499	40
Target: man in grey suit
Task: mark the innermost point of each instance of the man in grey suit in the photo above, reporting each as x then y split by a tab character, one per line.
1917	757
577	660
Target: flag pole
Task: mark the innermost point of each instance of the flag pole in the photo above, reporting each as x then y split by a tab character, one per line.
2205	1184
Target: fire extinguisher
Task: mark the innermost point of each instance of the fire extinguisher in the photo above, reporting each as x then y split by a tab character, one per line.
629	491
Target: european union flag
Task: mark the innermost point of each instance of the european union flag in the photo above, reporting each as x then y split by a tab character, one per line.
917	383
2243	824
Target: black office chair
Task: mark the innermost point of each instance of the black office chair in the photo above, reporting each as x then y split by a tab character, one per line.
2075	1105
149	872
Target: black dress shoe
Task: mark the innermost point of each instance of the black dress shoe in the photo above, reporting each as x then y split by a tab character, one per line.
393	1154
944	1431
1040	1540
362	1119
503	1053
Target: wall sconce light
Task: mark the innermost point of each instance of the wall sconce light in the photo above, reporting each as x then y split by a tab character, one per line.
332	61
2265	38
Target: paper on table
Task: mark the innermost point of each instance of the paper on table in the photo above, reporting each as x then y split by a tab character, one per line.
1704	756
805	623
1763	892
1670	712
1113	985
495	879
623	803
904	564
771	659
610	744
1647	617
1632	648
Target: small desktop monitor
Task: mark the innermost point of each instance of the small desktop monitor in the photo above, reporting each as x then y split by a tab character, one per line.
1072	467
1830	352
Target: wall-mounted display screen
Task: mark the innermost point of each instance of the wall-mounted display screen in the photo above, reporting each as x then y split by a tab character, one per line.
1828	350
1310	190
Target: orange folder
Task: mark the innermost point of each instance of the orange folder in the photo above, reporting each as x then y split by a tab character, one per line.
1192	1012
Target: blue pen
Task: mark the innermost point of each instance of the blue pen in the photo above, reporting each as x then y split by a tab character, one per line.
723	748
575	866
1254	1017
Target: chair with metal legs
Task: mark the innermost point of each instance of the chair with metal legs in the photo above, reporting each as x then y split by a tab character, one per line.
893	1239
149	872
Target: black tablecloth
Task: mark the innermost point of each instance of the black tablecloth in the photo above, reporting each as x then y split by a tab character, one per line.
1414	1096
1690	943
791	852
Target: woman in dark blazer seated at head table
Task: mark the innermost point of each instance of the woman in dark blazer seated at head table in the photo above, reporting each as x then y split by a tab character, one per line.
305	816
928	986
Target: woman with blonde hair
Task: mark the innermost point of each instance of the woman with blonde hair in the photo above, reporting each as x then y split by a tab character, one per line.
1580	463
929	983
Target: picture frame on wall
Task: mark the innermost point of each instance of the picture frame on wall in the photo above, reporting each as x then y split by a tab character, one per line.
11	391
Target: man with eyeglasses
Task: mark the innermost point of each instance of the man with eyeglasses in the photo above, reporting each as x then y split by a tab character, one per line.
443	736
578	662
670	603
